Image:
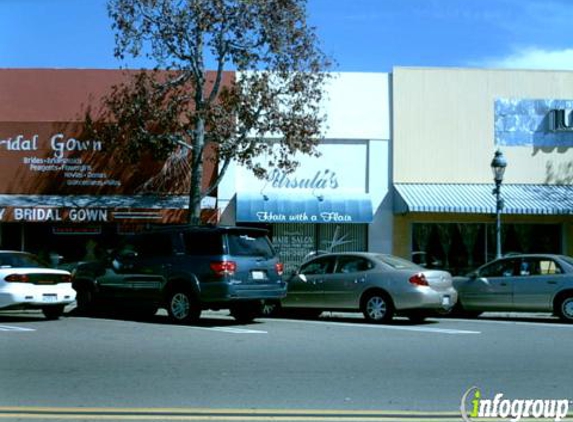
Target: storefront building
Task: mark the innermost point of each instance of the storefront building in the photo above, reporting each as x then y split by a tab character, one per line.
447	124
63	195
339	201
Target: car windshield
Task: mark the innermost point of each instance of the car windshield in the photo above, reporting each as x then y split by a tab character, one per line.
568	260
396	262
20	260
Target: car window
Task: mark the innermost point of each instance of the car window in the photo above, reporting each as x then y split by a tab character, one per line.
318	266
250	244
203	243
532	266
397	263
502	268
148	245
20	260
352	264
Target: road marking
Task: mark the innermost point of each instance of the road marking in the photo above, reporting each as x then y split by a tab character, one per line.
11	328
549	323
421	329
222	415
231	330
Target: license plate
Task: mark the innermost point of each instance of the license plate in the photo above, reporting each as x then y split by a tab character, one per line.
258	275
446	301
49	298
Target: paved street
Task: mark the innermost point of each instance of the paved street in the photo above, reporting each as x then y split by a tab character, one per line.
276	366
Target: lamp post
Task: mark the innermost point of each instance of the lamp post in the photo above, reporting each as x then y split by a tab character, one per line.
498	165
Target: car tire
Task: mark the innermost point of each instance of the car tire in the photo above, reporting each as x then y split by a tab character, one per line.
53	312
377	307
270	308
182	307
459	311
246	312
564	309
85	301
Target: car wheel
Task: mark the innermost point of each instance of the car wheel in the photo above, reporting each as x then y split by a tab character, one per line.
182	307
85	301
459	311
53	312
377	307
565	309
270	308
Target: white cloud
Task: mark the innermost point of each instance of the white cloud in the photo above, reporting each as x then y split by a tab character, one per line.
534	58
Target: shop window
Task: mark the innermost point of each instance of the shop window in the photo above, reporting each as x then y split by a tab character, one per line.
461	248
297	242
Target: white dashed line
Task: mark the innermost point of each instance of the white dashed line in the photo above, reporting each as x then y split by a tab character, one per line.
421	329
231	330
11	328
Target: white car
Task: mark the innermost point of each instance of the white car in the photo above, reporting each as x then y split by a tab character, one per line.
27	283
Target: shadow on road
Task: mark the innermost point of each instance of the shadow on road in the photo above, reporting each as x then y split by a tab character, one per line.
207	320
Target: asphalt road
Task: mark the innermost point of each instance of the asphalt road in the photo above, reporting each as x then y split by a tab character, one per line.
327	366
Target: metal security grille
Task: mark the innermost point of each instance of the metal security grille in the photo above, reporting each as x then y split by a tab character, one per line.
295	242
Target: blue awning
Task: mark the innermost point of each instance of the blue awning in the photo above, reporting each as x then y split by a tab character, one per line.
317	208
479	198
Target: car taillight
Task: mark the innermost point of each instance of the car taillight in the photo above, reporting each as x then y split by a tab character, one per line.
279	266
17	278
418	280
222	268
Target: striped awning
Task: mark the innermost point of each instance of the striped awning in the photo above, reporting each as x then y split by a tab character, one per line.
479	198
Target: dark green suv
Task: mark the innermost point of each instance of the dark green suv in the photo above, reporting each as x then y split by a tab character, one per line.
184	270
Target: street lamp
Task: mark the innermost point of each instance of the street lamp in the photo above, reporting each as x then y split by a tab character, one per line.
498	165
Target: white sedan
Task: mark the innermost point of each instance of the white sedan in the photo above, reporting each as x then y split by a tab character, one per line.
27	283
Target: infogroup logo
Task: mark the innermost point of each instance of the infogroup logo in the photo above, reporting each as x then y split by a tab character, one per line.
474	407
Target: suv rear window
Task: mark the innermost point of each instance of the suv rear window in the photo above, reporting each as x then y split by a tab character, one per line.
250	244
203	243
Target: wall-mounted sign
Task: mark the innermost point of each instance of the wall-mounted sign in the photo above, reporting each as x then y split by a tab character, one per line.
341	166
303	208
41	214
52	158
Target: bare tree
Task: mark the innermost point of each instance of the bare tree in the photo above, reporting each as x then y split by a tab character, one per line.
179	109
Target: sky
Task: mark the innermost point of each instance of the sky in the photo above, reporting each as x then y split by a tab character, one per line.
361	35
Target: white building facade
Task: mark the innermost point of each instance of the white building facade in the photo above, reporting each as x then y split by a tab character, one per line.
338	201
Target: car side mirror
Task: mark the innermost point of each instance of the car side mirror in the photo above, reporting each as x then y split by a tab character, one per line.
473	275
303	278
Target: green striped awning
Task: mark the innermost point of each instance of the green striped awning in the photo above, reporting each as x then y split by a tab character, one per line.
479	199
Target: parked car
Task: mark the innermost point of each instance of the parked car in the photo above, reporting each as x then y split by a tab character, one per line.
184	270
378	285
519	282
28	283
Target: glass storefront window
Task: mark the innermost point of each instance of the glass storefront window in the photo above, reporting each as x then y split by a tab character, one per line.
295	242
461	247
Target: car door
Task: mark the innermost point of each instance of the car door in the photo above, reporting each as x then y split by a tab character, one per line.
135	272
538	280
147	270
305	288
490	288
343	287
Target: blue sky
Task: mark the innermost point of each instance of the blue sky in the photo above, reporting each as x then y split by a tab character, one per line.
362	35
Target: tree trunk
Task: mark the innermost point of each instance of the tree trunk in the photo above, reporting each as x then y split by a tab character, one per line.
196	173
